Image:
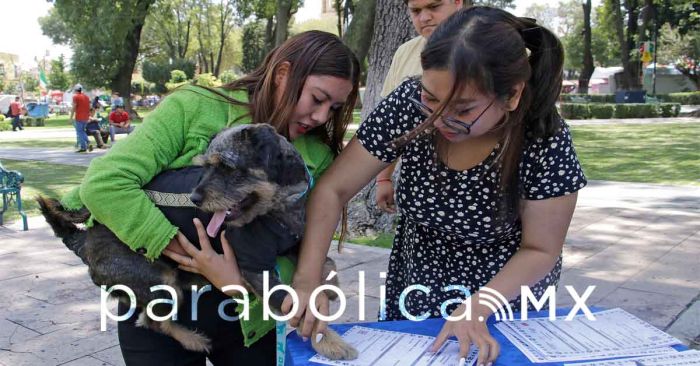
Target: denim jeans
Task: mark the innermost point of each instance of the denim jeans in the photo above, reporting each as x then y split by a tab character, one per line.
113	130
80	132
16	123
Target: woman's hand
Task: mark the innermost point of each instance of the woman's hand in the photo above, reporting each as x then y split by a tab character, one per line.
385	196
220	269
175	246
470	331
304	319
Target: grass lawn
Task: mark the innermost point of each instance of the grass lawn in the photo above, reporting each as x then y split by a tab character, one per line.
51	180
643	153
663	153
47	144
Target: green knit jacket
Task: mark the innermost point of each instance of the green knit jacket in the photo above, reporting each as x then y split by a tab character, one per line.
179	129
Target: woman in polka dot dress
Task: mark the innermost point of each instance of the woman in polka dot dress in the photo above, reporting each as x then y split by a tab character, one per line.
489	175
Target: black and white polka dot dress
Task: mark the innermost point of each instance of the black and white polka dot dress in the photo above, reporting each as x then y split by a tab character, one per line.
447	232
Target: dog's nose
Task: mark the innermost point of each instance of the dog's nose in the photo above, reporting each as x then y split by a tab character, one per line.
197	198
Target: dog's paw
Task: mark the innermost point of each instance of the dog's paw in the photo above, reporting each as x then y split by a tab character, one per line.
333	347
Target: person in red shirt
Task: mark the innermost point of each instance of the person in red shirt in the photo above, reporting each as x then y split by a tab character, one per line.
81	112
119	122
15	113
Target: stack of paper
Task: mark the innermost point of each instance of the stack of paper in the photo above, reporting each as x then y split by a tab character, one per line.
685	358
378	347
614	333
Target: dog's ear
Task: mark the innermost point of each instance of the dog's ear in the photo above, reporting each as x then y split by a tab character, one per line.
266	148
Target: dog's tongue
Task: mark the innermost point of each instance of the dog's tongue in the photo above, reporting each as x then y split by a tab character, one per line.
215	223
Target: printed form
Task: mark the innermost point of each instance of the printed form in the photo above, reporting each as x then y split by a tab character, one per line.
377	347
685	358
614	333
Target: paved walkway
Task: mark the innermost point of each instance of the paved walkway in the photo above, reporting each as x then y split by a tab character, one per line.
638	243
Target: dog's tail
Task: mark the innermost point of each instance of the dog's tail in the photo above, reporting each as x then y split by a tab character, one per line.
63	222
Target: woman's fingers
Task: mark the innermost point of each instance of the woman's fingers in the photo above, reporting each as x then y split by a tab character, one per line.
202	235
229	253
309	320
445	333
484	348
188	269
494	349
178	258
321	326
186	245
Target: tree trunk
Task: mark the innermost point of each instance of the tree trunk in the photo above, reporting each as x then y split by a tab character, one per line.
630	76
392	27
339	13
269	35
359	34
588	66
122	80
284	12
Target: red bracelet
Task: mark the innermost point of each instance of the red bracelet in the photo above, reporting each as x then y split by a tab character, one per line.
384	180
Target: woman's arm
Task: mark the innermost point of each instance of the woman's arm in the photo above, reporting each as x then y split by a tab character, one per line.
351	171
111	189
545	223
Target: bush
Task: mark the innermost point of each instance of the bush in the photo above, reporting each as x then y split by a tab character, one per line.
575	110
2	117
207	80
636	110
669	109
590	98
691	98
177	76
625	110
602	111
5	125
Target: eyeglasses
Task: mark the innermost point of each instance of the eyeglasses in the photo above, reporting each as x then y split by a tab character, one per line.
451	122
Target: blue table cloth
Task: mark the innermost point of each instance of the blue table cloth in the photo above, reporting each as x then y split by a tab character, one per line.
299	352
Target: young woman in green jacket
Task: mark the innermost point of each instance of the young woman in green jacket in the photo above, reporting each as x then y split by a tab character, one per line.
306	88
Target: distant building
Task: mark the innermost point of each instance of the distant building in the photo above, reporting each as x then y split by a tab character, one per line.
9	66
327	7
668	80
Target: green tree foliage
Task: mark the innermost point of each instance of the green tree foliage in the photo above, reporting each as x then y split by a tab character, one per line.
627	23
503	4
254	45
105	38
683	51
159	72
29	82
58	78
168	32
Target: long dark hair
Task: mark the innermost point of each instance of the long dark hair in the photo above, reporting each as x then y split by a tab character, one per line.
308	53
487	49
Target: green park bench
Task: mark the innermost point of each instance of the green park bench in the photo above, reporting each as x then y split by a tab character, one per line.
10	186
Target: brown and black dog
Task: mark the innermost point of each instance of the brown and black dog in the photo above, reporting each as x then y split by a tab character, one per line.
252	181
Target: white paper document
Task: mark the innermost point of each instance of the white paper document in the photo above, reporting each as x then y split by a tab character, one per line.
377	347
614	333
685	358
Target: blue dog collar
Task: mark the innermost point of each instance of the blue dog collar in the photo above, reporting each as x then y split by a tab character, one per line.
309	186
